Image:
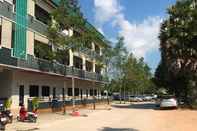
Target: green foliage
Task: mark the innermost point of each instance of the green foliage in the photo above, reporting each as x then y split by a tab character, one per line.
7	104
129	73
67	16
178	69
35	103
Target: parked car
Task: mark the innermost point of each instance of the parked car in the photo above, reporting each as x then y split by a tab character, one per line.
148	98
137	99
168	102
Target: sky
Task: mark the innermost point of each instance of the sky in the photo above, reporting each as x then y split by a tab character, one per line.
138	21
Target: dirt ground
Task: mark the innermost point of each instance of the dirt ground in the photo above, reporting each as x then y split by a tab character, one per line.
135	117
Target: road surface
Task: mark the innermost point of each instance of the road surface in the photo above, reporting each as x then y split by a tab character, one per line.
135	117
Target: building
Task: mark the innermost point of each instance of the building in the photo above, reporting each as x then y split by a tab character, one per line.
24	74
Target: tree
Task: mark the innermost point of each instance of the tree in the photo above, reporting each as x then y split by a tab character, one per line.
68	17
119	55
129	74
178	37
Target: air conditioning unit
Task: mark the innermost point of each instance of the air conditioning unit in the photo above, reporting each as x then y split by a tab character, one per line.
65	33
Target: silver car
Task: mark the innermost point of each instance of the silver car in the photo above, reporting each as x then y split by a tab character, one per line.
169	102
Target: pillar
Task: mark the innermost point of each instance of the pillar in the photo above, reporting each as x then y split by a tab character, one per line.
84	63
70	57
6	36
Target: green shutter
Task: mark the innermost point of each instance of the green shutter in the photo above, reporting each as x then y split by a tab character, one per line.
20	29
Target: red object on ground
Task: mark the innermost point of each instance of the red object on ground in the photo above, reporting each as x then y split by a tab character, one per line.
75	113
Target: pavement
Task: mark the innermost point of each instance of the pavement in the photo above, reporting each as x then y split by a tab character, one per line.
121	117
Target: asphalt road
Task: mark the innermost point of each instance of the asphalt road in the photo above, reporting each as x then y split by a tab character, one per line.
135	117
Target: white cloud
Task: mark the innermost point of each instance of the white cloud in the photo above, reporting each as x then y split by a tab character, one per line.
106	10
140	38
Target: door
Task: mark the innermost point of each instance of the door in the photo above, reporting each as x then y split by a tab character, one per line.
21	95
54	93
81	91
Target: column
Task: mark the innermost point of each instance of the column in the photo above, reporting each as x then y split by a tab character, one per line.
6	40
94	65
84	62
31	7
30	42
70	57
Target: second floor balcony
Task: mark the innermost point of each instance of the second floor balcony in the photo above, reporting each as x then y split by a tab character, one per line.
40	65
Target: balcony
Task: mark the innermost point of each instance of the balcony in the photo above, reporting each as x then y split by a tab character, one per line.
6	10
36	64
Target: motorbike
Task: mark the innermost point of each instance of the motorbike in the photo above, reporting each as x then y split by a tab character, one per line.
3	119
24	115
9	115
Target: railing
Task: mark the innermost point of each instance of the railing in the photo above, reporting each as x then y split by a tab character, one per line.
37	25
90	75
45	66
6	10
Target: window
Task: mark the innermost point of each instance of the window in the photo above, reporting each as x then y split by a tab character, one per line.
95	92
54	93
42	50
102	93
62	57
78	62
91	92
42	15
0	33
70	92
45	91
34	91
89	66
76	91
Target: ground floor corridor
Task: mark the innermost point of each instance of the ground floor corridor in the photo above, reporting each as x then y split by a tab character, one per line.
22	86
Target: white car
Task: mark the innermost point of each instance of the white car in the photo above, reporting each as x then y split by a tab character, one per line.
168	103
137	99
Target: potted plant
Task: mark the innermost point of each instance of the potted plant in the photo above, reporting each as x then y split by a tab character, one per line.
7	106
35	104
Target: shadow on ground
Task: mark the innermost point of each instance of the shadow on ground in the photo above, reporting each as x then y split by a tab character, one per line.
117	129
150	106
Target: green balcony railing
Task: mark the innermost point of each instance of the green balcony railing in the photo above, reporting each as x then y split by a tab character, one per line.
37	64
90	75
6	10
37	25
